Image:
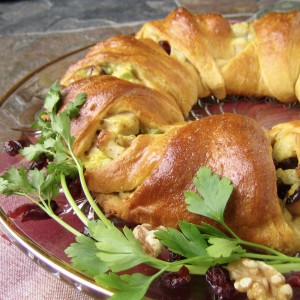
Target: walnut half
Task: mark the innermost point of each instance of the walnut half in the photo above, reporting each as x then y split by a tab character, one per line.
259	280
145	233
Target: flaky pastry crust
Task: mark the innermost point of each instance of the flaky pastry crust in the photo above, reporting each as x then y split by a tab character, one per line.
144	170
234	146
108	95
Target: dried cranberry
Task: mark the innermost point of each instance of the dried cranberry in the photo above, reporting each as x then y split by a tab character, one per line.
293	279
282	188
220	283
170	256
174	256
174	280
20	210
75	187
166	46
12	147
32	212
294	197
39	164
289	163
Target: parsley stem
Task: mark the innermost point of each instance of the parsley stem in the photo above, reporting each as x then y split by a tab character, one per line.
229	230
50	213
30	198
199	269
254	245
193	269
266	249
286	268
292	263
72	202
86	191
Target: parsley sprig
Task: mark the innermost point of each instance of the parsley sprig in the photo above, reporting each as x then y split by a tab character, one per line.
107	250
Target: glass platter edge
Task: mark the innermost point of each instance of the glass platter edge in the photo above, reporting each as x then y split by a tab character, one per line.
47	261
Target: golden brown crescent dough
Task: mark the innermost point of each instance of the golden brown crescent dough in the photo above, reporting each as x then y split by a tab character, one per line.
260	58
107	96
205	55
140	61
147	182
139	154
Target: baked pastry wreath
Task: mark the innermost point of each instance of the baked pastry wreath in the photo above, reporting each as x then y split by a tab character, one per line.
140	155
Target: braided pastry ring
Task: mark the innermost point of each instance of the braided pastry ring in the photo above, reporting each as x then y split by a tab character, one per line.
140	155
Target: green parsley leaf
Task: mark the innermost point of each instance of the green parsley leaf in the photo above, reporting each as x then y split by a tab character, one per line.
126	286
41	123
4	187
214	194
55	141
53	97
223	247
17	181
36	179
33	152
51	143
64	167
50	186
188	243
73	108
84	257
209	230
58	148
62	126
120	250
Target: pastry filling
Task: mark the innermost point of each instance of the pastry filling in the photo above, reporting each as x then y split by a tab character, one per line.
113	136
285	139
288	181
243	34
123	71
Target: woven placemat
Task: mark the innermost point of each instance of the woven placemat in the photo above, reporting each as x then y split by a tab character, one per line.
22	279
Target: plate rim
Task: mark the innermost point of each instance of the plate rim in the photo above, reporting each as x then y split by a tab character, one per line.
48	261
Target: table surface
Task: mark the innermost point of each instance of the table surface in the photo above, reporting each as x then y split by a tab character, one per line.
34	33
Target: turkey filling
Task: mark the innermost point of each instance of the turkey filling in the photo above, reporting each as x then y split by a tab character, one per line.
288	181
286	142
113	136
243	34
121	71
